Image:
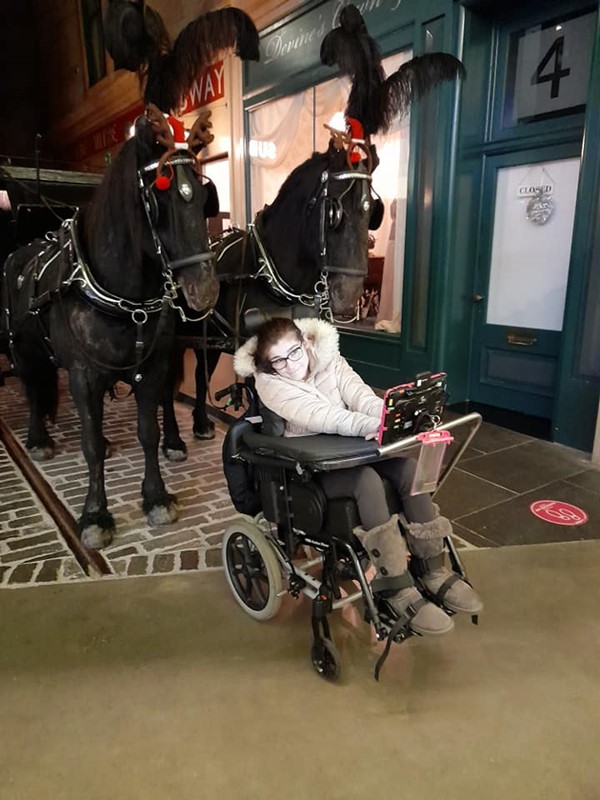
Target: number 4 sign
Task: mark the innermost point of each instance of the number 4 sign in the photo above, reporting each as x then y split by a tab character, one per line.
553	64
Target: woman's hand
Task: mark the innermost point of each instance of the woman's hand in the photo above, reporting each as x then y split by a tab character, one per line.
372	435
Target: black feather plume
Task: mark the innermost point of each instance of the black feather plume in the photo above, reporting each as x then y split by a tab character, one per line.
133	33
376	100
137	40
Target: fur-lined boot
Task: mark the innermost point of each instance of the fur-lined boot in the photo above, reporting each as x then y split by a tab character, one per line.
426	544
388	552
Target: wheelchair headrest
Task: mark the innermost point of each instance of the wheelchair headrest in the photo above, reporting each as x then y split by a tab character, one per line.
255	317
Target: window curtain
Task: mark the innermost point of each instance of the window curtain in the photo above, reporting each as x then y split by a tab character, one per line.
390	180
280	139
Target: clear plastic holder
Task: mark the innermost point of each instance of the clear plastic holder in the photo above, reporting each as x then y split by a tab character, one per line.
429	464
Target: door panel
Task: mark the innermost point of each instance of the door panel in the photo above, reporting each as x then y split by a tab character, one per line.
517	369
522	278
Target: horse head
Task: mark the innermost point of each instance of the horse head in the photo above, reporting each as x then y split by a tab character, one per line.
347	211
174	198
317	228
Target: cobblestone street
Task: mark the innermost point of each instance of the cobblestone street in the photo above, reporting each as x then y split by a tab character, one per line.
488	497
33	552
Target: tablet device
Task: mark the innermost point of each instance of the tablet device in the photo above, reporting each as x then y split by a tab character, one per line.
412	407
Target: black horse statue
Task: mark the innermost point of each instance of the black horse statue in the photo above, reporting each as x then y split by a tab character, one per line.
308	247
99	299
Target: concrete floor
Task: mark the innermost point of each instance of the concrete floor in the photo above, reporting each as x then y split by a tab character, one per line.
163	689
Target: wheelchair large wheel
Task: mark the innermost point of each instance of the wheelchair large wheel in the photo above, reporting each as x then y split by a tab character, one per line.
252	570
326	659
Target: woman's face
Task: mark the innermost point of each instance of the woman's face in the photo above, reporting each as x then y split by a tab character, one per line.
289	357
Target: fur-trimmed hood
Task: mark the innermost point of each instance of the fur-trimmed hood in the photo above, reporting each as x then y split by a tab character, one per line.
331	399
323	340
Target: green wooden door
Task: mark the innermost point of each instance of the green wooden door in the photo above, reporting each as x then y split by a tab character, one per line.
523	124
528	203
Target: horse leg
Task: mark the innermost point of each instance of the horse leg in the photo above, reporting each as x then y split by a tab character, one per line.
159	506
206	363
173	446
40	379
96	523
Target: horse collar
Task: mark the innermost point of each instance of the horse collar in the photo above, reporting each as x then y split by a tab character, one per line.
99	297
268	271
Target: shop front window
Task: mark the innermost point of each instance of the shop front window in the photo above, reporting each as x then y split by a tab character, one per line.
285	132
216	170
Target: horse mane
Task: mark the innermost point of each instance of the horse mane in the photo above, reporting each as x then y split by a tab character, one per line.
115	212
299	182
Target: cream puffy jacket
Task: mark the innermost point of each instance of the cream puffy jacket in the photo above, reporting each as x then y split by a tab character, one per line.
332	399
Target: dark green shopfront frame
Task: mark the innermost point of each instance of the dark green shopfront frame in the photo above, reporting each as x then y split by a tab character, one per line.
488	26
444	196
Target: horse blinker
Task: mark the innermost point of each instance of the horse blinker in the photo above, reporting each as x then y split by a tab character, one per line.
376	217
334	212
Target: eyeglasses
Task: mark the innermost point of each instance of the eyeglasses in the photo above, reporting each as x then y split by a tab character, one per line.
281	361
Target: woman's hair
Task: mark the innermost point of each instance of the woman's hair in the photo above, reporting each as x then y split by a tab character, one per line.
269	334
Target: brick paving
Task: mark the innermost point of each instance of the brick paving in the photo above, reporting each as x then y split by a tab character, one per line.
31	549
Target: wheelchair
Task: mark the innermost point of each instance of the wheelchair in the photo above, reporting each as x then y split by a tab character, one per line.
292	539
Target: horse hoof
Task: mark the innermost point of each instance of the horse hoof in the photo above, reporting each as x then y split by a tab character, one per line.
163	515
95	538
207	434
175	455
41	453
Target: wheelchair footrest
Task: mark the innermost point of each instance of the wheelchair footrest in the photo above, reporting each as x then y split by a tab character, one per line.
388	620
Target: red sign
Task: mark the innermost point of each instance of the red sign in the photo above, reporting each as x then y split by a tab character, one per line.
208	87
112	133
558	513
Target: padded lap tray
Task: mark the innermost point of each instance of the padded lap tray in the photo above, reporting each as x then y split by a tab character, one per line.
320	452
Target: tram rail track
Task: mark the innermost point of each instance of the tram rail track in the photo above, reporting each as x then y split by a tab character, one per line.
92	562
39	541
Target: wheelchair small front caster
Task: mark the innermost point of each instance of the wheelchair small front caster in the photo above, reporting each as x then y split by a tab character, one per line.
326	659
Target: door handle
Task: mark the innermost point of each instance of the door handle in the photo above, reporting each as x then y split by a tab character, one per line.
477	298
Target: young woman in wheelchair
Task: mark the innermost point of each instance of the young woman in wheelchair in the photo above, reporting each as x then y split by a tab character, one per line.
301	376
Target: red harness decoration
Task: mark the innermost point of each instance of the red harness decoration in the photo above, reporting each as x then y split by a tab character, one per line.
355	130
180	135
179	132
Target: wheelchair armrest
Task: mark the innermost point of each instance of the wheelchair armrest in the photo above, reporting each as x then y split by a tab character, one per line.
272	423
322	452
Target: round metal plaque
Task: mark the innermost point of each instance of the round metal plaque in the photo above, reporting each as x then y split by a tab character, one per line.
540	208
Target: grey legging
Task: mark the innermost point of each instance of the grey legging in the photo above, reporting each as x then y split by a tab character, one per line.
365	486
